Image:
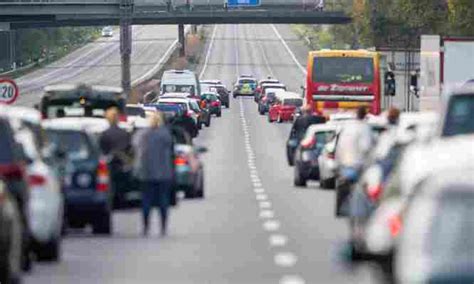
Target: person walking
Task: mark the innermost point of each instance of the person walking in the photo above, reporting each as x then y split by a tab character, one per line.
154	169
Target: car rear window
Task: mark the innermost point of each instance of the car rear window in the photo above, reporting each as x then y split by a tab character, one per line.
74	144
293	102
135	111
247	81
460	116
183	106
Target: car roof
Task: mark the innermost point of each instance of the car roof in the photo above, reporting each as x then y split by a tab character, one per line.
75	123
21	113
269	85
72	87
324	127
211	82
269	81
173	100
176	95
423	159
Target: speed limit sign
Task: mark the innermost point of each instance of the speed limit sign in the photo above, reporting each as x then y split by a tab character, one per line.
8	91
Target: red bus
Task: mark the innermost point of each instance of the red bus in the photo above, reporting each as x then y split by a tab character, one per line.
343	80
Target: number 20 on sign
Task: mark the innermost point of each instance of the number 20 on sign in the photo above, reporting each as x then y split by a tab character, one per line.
8	91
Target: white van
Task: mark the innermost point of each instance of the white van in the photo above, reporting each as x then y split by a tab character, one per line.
180	81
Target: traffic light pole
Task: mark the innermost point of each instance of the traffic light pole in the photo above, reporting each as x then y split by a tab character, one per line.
126	44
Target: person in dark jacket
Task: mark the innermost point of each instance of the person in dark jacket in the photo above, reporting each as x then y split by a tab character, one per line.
302	123
114	140
154	168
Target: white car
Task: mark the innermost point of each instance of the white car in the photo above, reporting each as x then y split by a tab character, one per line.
107	32
419	161
46	206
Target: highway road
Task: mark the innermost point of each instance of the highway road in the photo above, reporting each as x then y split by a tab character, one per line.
99	62
253	226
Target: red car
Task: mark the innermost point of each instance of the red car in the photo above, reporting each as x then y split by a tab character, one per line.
284	107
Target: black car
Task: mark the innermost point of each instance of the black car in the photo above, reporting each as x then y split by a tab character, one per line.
86	175
308	151
12	172
81	100
223	94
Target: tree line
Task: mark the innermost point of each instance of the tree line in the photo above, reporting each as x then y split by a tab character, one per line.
392	23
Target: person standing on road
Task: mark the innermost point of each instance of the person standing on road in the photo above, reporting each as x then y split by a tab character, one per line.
154	169
302	123
117	145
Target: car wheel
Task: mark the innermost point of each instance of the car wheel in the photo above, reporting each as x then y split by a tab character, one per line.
342	192
189	192
199	126
26	260
327	183
270	118
227	105
48	251
219	114
200	189
103	226
235	96
299	180
208	122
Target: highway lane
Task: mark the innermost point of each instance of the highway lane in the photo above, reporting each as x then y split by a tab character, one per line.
252	227
99	62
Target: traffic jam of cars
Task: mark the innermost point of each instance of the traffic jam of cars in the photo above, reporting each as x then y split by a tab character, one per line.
55	177
401	180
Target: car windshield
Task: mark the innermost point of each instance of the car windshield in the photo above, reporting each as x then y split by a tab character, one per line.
183	106
460	116
293	102
343	70
246	81
171	88
73	144
194	106
452	231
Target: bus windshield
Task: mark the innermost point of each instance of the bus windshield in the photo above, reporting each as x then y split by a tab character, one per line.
343	70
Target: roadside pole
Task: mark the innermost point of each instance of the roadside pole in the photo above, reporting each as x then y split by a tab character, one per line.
126	8
182	40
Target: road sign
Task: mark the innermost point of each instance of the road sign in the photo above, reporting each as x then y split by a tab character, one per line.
8	91
243	3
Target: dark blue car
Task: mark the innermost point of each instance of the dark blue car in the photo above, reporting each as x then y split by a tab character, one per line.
86	178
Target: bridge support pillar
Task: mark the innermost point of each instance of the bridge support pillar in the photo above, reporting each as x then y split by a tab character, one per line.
182	40
125	55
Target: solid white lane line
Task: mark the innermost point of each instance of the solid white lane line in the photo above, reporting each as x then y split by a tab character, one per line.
271	225
209	50
285	259
278	240
292	55
292	279
266	214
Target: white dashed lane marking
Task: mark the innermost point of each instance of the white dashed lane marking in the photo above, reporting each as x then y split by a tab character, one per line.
271	225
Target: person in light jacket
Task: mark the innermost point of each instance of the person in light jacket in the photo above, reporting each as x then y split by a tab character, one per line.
154	169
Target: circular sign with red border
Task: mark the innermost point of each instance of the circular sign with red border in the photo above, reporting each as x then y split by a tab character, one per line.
8	91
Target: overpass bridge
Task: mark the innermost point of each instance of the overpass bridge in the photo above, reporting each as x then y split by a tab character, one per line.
16	14
44	13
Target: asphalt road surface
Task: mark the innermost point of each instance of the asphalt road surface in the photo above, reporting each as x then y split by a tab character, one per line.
253	226
99	62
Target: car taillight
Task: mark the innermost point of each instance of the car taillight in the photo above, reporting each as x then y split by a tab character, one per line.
374	192
331	156
12	172
180	161
36	180
308	142
395	225
258	90
102	176
123	117
215	104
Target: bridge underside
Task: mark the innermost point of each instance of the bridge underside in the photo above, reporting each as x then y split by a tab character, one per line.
46	15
